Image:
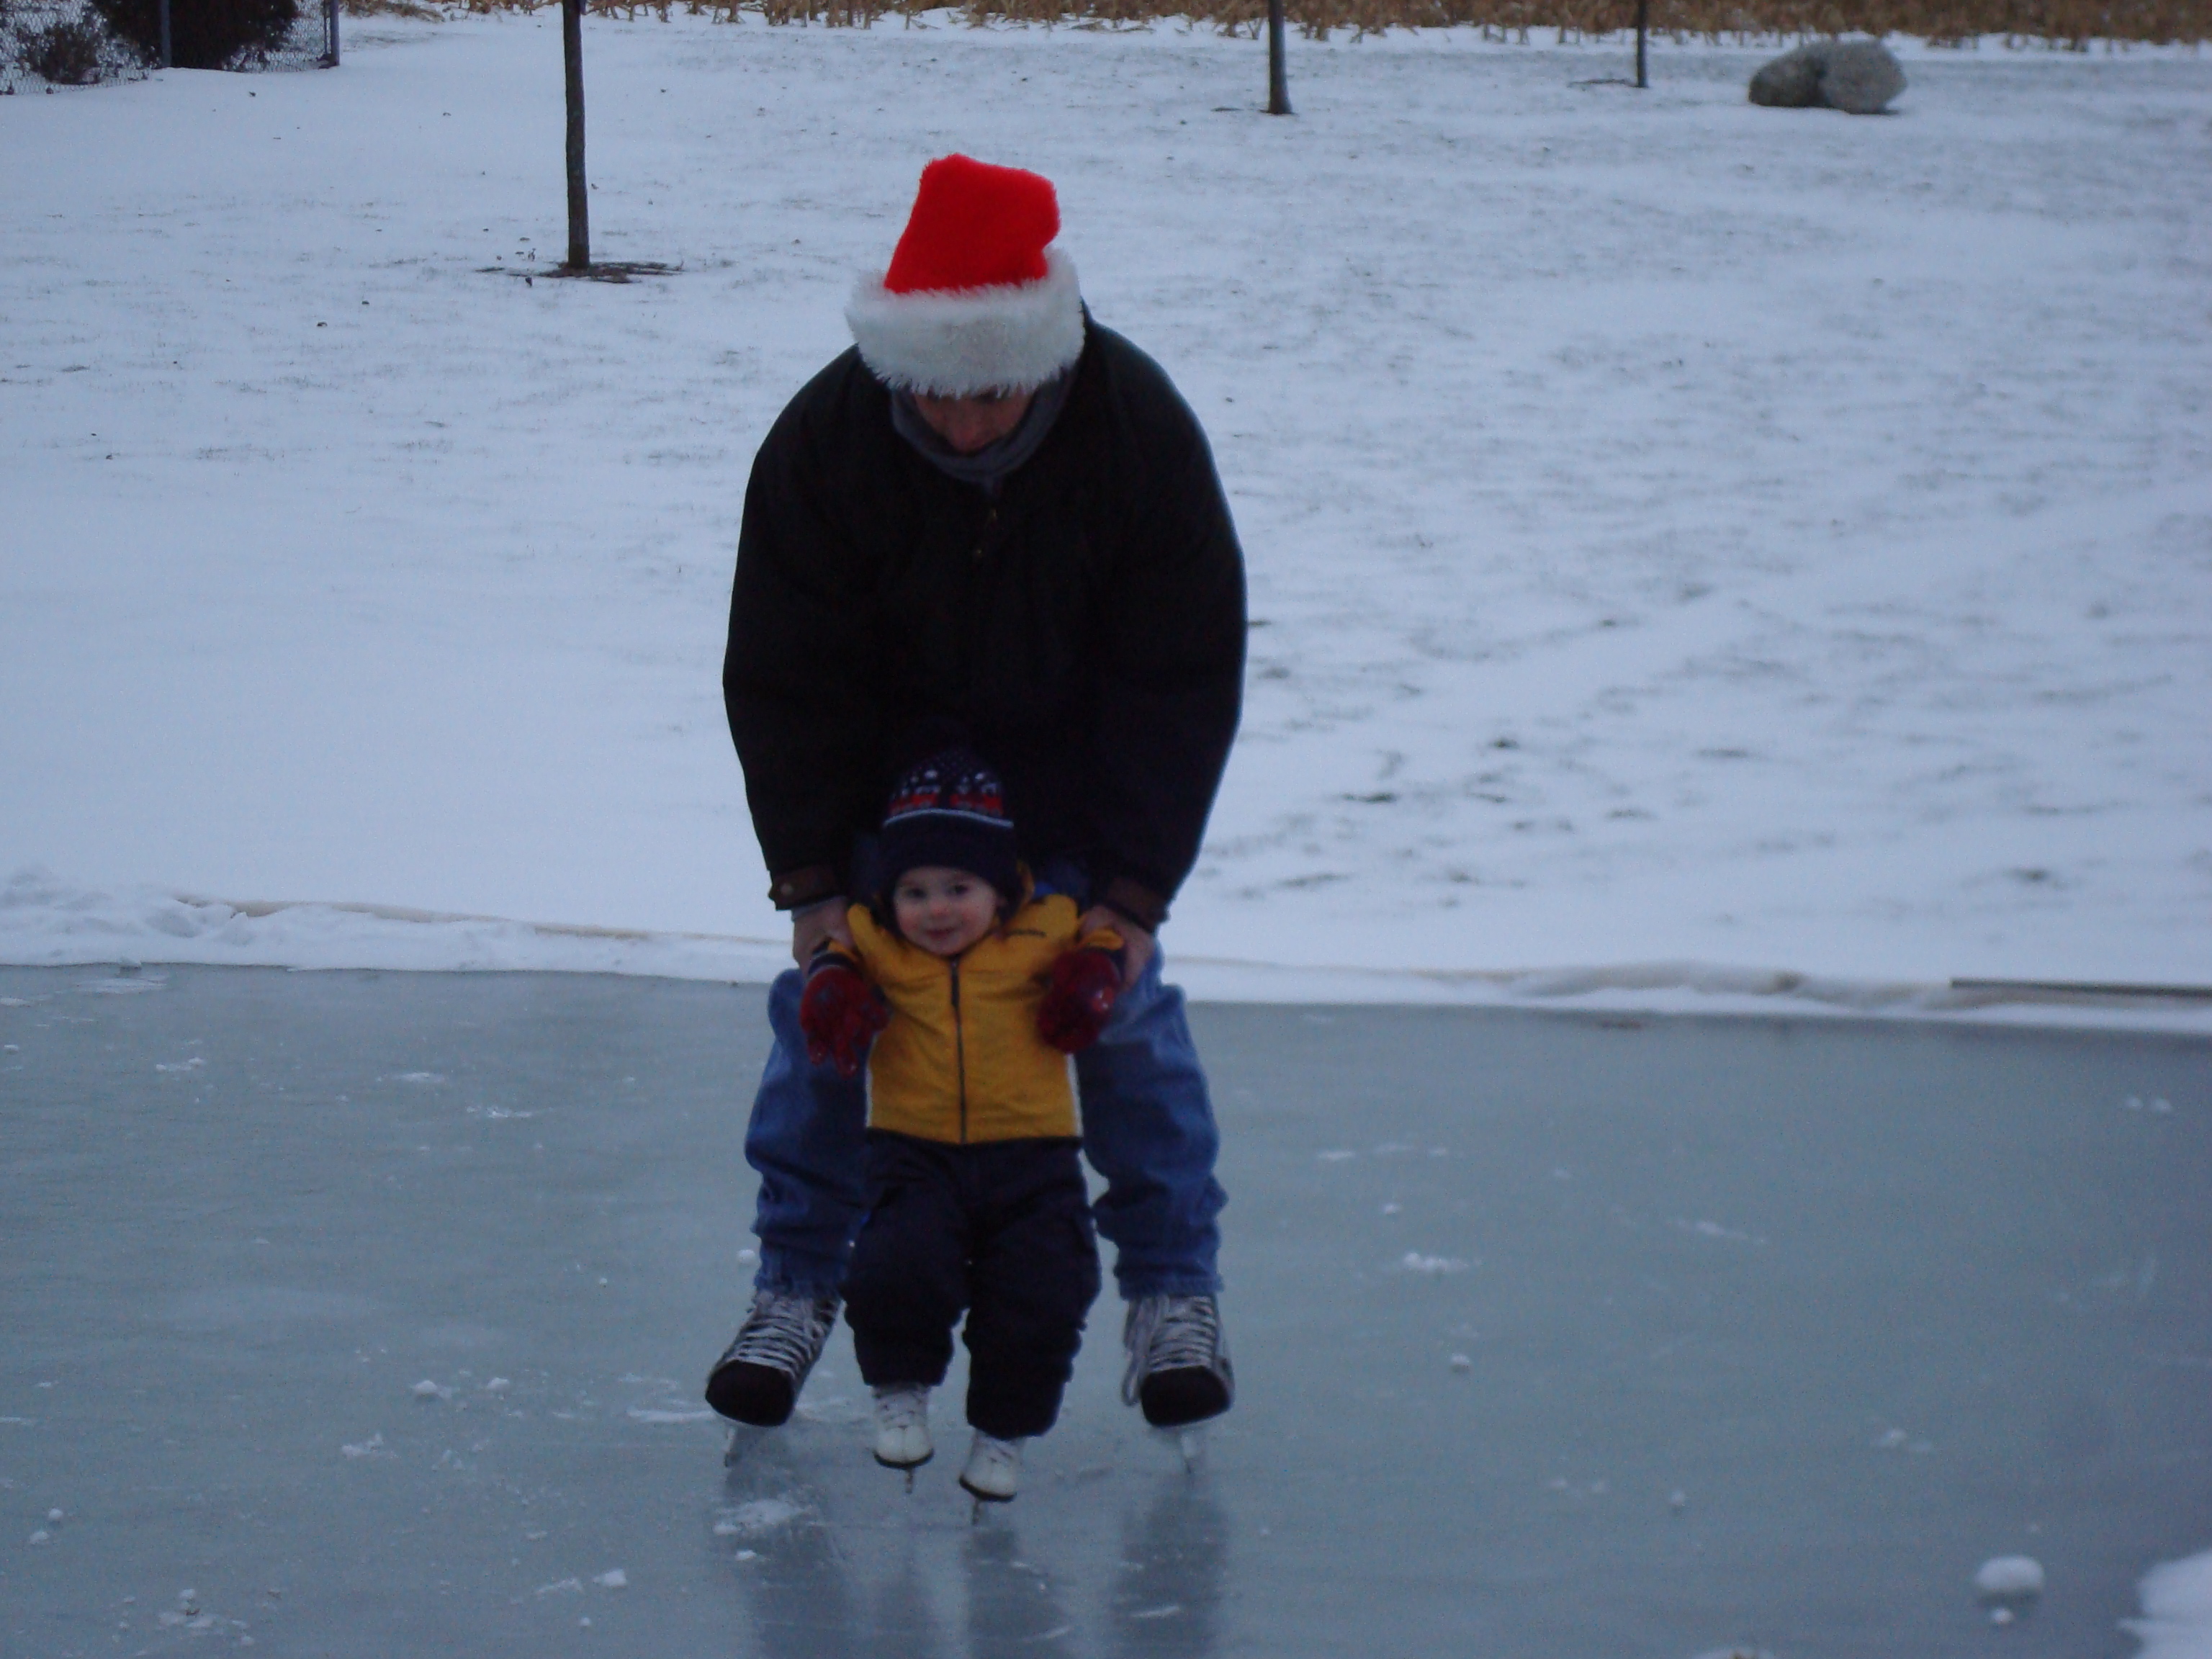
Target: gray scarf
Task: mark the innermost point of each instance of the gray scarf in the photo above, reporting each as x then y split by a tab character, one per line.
990	467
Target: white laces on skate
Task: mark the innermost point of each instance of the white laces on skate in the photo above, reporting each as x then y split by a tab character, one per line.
902	1407
993	1473
785	1333
1169	1333
903	1427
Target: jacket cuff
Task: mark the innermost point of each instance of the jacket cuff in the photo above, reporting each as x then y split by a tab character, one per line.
810	884
830	954
1135	900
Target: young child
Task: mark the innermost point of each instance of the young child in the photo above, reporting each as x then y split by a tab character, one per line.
974	992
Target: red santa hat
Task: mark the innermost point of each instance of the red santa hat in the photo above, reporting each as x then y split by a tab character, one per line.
976	299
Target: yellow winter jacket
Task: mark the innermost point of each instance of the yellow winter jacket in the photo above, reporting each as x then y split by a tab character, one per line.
961	1059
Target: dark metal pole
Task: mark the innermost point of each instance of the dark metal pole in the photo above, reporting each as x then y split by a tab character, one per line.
168	57
331	12
1643	21
572	46
1278	78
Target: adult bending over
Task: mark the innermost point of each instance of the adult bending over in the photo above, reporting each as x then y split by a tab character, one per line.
992	516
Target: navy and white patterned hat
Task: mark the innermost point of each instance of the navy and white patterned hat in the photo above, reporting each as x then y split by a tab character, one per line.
950	810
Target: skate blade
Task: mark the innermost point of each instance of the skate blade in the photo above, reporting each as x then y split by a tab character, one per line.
1190	1446
744	1437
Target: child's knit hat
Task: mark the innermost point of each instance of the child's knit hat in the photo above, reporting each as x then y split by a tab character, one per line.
950	810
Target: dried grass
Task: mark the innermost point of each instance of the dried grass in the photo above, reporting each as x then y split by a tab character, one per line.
2072	24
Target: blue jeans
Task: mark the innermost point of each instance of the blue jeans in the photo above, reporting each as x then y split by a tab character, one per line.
1147	1128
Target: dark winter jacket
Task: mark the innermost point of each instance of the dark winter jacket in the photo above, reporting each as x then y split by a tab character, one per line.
1086	628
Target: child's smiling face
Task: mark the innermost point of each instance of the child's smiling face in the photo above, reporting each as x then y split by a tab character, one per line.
944	911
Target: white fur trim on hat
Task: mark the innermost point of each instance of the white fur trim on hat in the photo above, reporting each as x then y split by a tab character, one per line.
956	343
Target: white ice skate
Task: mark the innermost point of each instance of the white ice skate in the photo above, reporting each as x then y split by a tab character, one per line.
993	1473
902	1425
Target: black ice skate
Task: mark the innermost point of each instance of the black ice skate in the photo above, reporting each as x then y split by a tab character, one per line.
759	1378
1179	1370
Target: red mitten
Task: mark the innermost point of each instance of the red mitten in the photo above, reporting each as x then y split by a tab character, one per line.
841	1013
1084	985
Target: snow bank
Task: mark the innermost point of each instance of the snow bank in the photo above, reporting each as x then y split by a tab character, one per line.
43	922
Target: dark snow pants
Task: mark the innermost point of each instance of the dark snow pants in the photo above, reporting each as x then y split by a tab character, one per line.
1002	1230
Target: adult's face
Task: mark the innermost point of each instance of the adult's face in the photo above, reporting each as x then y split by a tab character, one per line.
972	424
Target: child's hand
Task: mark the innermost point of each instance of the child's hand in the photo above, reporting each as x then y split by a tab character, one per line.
841	1013
1084	984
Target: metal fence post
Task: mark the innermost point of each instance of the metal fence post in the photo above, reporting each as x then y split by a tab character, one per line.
330	28
168	57
1642	20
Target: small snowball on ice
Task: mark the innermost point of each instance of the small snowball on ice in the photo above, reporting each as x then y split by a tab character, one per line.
2012	1577
1678	1500
1460	1361
53	1515
41	1536
614	1578
426	1389
2000	1616
562	1587
1392	1209
498	1385
744	1555
747	1258
1415	1263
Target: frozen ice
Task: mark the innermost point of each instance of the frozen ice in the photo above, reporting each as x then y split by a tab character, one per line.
614	1578
1364	1492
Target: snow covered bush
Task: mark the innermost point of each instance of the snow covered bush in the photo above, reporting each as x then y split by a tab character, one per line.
67	52
202	33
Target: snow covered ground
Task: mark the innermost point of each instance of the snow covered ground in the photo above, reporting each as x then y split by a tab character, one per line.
1680	532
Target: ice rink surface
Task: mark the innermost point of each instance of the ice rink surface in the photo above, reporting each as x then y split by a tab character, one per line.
358	1314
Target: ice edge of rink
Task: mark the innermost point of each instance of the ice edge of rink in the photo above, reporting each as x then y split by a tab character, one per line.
44	923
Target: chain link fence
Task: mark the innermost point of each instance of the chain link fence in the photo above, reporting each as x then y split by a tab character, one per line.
46	44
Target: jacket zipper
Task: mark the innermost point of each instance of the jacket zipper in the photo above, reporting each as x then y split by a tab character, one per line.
960	1050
